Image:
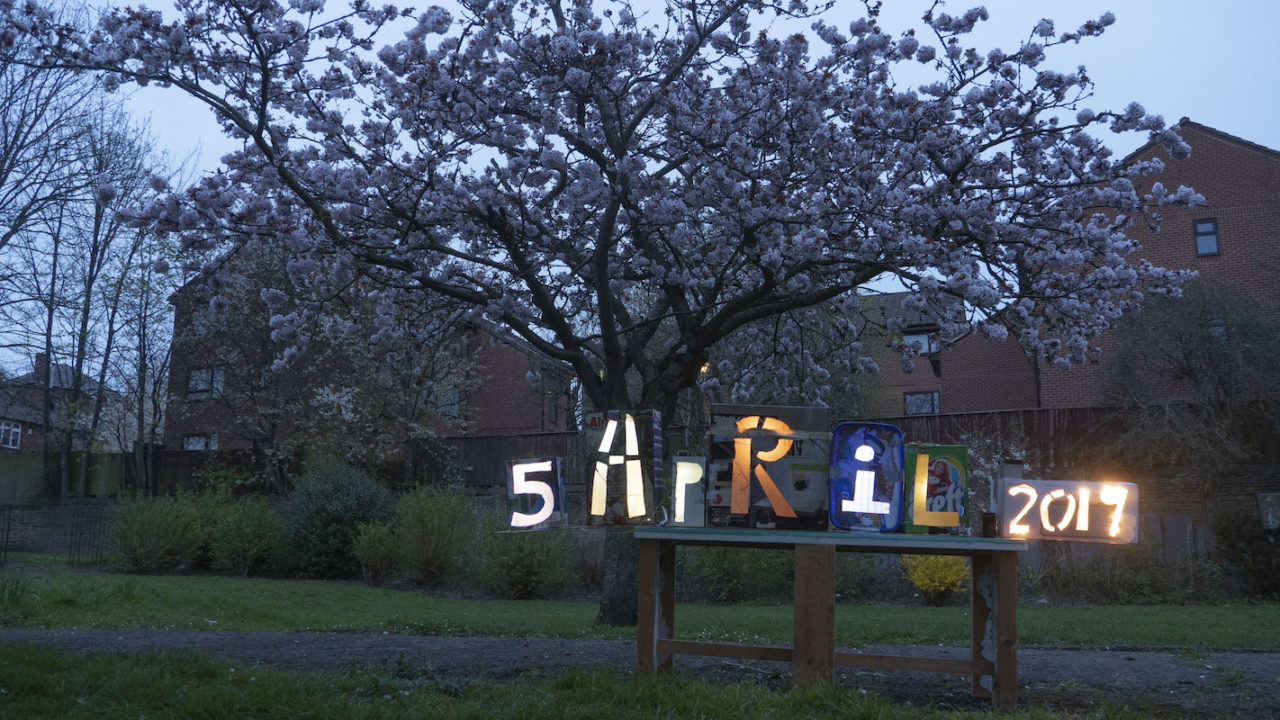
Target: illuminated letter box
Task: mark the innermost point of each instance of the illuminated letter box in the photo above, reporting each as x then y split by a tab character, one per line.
866	477
627	463
1069	510
768	466
936	490
535	494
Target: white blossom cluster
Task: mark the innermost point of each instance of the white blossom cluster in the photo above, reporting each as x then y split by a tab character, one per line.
661	199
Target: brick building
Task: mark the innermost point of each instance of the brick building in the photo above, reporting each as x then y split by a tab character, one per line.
1232	241
339	398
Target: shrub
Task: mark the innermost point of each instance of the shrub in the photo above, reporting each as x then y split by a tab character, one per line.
377	548
324	513
246	535
935	576
208	504
1253	551
524	565
868	577
1127	574
435	527
155	535
730	575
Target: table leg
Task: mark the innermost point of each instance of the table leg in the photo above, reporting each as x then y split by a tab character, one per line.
813	655
993	608
655	605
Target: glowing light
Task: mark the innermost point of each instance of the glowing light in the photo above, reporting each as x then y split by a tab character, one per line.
1082	519
631	461
740	499
1016	526
921	514
1114	495
520	485
688	476
1066	517
1075	498
864	487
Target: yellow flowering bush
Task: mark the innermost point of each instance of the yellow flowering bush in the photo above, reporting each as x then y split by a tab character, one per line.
935	576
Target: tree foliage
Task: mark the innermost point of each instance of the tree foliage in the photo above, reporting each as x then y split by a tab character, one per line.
631	189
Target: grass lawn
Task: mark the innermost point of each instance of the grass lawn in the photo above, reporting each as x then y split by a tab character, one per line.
44	683
61	598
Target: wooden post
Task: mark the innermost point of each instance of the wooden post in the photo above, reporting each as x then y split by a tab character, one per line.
813	657
666	620
656	606
646	609
1006	692
993	608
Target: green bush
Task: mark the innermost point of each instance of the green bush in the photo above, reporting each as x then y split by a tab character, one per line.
435	527
524	565
155	535
323	516
867	577
1127	574
246	535
1253	552
377	548
732	575
209	505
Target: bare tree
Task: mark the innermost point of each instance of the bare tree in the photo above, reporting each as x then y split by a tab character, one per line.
1196	382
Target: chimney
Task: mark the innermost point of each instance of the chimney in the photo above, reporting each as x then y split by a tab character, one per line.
41	370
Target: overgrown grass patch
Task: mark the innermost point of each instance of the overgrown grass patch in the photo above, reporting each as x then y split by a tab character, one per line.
37	682
71	599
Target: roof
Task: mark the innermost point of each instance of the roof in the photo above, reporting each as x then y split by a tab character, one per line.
17	404
1187	122
891	305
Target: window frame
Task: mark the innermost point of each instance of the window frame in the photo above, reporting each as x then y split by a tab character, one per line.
210	387
208	442
1213	232
929	346
935	404
11	434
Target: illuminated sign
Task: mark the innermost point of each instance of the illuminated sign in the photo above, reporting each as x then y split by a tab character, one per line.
768	466
866	477
535	494
628	452
937	482
1070	510
688	492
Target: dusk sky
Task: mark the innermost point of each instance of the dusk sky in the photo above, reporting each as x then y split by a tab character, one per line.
1217	63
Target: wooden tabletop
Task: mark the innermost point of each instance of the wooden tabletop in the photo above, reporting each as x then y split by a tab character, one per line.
856	540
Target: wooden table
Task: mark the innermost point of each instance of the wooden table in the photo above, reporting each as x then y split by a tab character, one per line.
993	596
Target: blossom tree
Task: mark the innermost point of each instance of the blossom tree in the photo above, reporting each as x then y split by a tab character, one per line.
637	189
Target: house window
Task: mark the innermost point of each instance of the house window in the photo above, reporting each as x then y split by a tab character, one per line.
447	400
205	383
924	342
1206	236
553	407
10	435
921	403
208	441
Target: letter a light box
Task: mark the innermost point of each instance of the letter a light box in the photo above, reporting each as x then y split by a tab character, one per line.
625	465
1069	510
535	494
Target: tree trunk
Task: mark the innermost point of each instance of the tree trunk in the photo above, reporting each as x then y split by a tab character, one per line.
618	598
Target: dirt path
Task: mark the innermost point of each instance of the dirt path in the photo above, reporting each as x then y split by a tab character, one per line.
1178	684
